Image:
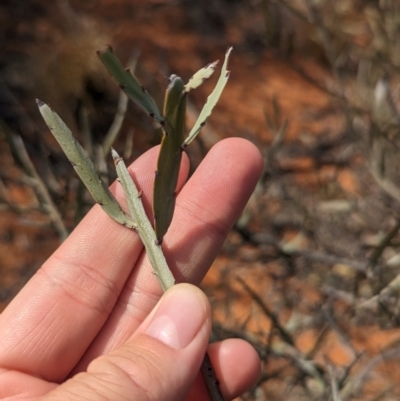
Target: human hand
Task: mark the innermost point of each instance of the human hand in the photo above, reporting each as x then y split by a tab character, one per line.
87	326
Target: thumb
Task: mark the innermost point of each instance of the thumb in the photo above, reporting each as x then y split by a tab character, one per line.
159	362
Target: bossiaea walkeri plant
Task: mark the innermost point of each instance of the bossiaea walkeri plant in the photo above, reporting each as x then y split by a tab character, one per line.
172	121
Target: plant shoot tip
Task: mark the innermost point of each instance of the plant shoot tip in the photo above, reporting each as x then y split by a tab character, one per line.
114	154
40	103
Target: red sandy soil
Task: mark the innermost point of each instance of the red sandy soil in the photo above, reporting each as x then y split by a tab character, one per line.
167	37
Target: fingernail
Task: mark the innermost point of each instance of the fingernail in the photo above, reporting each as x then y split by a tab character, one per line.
178	317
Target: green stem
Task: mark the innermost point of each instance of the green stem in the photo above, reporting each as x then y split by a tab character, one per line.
143	226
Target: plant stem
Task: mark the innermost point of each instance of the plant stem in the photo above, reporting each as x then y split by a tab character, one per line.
142	224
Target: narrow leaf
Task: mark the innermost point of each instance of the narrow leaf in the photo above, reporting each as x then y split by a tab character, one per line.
129	84
83	165
211	101
170	156
200	76
143	227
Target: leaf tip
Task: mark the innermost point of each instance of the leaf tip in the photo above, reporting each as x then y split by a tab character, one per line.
115	156
213	65
40	103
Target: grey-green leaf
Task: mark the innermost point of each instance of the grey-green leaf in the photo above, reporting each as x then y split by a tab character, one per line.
129	84
211	101
83	165
170	156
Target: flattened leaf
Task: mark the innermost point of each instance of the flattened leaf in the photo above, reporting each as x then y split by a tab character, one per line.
211	101
170	156
83	165
129	84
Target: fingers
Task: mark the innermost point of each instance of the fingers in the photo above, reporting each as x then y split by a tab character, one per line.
207	207
49	325
237	367
159	363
